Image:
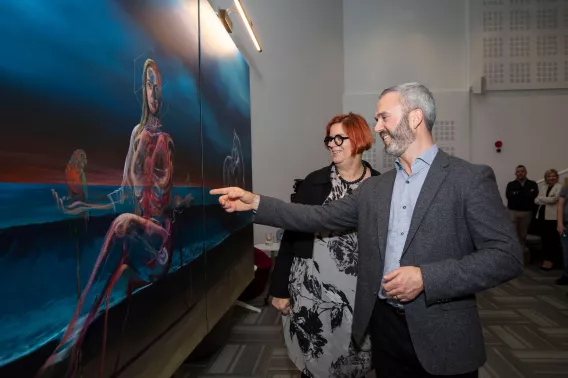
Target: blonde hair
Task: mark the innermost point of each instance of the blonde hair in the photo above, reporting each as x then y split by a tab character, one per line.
549	171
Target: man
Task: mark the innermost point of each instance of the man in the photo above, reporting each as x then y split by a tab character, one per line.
431	233
521	194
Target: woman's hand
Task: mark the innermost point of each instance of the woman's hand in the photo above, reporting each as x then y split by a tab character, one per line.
282	305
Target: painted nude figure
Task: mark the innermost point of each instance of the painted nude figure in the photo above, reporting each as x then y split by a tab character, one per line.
143	239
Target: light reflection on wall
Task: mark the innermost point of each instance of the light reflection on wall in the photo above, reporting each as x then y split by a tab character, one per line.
214	38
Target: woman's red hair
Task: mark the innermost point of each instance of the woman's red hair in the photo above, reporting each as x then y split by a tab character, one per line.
356	128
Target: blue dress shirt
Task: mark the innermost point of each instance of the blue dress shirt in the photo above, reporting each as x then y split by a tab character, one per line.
404	195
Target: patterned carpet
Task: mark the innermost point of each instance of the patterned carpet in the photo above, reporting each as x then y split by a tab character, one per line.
525	326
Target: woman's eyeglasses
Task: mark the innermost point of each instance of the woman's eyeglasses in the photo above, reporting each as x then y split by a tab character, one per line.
338	139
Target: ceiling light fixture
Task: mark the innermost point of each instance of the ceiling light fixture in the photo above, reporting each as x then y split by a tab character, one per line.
223	15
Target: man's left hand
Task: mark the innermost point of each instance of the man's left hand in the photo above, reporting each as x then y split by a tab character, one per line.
404	284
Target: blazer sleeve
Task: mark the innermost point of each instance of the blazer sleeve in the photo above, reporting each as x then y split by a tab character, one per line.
340	215
552	197
281	273
497	258
509	191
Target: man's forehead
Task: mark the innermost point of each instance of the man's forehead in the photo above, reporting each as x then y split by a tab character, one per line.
388	102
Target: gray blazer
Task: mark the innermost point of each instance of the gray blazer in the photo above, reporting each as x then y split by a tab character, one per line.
460	236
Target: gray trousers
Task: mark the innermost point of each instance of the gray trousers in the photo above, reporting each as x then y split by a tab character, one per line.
521	220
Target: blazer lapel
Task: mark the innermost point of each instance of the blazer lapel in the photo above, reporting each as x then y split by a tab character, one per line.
384	196
435	178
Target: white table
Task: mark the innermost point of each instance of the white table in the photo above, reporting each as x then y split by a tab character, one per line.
272	251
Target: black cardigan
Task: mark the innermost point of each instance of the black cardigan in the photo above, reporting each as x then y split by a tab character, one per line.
313	190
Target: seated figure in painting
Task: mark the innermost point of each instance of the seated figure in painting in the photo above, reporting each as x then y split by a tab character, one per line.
140	241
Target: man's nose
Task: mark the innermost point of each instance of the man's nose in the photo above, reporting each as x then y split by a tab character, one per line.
378	126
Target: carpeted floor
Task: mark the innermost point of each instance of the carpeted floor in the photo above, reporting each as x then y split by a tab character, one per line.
525	325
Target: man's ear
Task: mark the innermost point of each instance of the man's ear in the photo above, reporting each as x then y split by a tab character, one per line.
415	118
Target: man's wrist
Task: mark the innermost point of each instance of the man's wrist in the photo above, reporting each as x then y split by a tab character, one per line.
255	202
421	278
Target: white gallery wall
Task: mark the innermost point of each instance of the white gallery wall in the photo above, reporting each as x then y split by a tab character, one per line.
434	42
520	45
296	87
392	42
532	126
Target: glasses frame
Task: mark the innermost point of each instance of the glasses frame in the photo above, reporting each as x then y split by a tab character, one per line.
335	139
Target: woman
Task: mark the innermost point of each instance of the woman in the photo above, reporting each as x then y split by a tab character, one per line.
315	276
562	222
547	200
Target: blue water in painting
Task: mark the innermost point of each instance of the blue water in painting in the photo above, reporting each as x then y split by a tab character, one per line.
38	282
24	204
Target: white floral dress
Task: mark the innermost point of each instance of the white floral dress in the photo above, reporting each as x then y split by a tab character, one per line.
322	295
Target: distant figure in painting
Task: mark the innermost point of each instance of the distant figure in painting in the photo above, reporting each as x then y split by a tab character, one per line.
77	202
75	176
76	180
143	240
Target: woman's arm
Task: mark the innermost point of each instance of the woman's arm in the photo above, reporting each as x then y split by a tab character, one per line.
281	272
552	197
285	258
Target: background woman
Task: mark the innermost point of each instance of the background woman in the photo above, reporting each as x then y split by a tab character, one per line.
547	200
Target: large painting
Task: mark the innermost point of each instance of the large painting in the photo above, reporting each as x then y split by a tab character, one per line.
119	116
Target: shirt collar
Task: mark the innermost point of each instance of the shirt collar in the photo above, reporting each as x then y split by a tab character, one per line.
427	157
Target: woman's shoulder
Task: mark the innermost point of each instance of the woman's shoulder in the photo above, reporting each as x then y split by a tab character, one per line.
374	172
319	176
304	187
554	187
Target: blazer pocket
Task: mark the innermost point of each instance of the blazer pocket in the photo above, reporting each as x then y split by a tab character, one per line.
458	304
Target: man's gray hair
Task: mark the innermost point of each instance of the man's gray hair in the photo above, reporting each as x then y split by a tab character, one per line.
416	96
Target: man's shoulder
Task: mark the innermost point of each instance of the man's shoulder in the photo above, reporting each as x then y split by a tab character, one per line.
513	182
383	177
532	182
467	168
375	183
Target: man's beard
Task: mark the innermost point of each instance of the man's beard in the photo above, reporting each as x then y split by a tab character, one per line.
400	138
